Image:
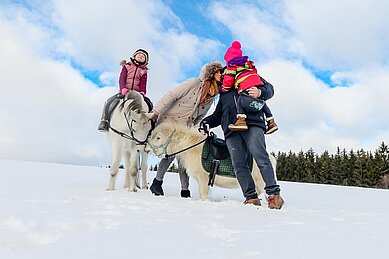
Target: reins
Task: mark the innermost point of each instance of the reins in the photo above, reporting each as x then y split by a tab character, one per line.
185	149
131	129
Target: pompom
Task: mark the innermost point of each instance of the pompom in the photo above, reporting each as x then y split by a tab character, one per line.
123	62
236	45
233	52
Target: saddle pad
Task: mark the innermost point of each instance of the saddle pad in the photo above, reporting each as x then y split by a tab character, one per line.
226	169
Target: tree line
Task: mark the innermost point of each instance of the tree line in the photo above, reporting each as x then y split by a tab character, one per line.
349	168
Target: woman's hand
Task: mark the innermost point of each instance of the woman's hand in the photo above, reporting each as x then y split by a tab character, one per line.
254	92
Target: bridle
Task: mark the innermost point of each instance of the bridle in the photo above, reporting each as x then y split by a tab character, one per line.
167	143
132	130
154	148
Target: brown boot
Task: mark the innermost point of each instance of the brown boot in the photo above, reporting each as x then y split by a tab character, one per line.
253	201
240	123
271	126
275	201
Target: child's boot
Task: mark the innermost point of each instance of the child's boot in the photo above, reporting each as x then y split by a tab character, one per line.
240	123
103	126
271	125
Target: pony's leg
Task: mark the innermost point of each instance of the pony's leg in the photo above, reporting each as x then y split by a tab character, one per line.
144	169
202	179
128	164
258	180
116	156
132	170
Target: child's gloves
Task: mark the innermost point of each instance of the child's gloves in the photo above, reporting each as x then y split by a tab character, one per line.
124	91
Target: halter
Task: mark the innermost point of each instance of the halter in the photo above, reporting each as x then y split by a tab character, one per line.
164	145
168	141
131	130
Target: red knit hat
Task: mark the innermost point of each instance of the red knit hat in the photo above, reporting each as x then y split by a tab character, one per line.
233	51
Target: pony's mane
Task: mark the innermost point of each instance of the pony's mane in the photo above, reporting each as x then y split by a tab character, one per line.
135	102
191	134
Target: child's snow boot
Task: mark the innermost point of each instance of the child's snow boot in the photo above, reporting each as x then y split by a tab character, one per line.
271	125
240	123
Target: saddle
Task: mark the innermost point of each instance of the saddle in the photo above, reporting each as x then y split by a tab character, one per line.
218	147
216	159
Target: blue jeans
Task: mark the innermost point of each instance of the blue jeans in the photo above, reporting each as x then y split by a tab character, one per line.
253	141
266	110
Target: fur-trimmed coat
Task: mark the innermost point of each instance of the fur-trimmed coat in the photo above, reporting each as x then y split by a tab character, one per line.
133	77
182	104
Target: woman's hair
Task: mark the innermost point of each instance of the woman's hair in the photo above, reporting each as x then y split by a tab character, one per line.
210	89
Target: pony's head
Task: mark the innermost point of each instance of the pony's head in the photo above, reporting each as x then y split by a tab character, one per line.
140	126
136	114
168	138
160	139
134	101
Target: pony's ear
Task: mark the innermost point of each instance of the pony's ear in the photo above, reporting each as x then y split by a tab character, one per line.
133	114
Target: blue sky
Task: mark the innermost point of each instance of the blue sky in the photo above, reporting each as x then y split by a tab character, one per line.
329	67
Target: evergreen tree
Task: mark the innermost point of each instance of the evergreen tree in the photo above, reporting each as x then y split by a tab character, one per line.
281	163
360	168
383	159
291	167
352	169
309	166
336	168
301	175
325	175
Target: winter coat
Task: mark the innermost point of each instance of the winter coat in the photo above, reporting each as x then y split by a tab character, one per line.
182	104
241	74
133	77
225	112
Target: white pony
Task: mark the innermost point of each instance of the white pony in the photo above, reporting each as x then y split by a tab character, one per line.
168	139
129	130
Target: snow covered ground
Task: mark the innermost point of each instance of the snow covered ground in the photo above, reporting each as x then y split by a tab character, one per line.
64	211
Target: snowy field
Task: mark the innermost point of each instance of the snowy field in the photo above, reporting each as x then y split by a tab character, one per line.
63	211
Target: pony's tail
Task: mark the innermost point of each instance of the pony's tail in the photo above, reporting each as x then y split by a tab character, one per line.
123	62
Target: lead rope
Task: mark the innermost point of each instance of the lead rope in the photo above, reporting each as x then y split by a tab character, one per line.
185	149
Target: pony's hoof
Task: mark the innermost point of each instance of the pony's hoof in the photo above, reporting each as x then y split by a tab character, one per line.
133	190
110	189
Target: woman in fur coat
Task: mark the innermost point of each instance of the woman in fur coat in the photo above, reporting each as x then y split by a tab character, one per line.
187	104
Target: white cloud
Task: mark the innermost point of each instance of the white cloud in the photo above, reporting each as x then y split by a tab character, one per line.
342	34
256	25
346	37
49	111
310	114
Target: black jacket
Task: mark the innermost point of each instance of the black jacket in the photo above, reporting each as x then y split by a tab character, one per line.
225	112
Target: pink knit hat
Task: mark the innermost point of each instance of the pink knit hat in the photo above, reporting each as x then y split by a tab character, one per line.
233	51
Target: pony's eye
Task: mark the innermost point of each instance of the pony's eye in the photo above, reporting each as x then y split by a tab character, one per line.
158	138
